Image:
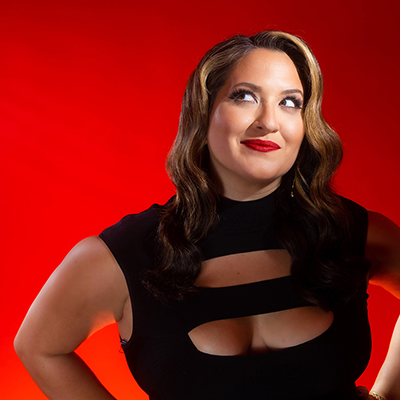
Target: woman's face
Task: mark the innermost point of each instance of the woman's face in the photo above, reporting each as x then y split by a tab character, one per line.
256	126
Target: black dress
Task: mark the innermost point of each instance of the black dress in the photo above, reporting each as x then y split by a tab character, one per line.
168	366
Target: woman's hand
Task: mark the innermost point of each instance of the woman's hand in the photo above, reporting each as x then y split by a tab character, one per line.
362	392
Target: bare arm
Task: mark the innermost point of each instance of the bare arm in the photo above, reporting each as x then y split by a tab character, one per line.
85	293
383	249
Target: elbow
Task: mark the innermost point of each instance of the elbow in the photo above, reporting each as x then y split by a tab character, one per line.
20	345
24	346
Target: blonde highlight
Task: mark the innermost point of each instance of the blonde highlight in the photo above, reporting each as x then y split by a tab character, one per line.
192	214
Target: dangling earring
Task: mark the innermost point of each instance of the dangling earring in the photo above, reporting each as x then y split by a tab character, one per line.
292	191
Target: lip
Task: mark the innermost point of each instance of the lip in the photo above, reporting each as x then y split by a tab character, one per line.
264	146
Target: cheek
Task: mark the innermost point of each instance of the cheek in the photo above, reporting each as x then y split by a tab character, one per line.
230	121
215	136
293	139
295	134
219	124
219	132
216	140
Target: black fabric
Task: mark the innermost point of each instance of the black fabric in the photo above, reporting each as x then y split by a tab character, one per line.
168	366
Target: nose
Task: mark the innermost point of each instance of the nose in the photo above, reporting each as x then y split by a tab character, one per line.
266	118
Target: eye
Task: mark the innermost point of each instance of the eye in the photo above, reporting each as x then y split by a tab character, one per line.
243	95
291	102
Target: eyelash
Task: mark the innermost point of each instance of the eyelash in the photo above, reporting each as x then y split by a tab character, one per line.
297	103
234	96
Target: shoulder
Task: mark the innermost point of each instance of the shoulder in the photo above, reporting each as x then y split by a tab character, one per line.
89	254
134	235
383	250
358	212
86	292
358	221
383	240
134	225
89	270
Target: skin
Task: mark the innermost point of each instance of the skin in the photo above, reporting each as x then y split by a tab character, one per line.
85	293
261	99
384	252
88	290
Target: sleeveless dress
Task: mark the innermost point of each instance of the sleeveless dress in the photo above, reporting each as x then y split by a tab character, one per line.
168	366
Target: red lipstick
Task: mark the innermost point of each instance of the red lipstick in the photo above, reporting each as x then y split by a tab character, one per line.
264	146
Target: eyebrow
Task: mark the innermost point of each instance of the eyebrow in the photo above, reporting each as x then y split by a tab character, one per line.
257	88
292	91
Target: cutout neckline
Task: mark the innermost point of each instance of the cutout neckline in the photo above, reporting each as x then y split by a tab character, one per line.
271	353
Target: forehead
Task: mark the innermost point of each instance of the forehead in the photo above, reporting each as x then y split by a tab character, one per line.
266	67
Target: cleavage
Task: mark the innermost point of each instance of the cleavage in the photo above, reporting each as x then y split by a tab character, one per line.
259	333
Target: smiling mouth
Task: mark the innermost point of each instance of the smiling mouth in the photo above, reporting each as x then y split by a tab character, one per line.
263	146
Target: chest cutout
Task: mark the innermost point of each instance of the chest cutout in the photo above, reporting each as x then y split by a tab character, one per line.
242	268
259	333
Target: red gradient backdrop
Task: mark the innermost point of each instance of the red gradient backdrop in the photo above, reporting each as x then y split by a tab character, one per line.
90	97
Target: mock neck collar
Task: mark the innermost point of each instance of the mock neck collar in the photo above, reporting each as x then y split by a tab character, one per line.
252	213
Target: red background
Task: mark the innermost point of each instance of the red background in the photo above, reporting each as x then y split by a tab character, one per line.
90	97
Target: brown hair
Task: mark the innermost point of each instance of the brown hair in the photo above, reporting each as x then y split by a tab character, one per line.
193	212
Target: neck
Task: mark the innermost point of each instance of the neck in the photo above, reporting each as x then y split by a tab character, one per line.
248	194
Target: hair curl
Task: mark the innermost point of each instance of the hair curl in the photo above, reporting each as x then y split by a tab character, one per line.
312	226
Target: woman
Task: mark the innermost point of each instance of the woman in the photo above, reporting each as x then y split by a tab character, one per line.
251	282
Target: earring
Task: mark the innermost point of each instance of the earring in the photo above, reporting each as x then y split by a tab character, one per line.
292	191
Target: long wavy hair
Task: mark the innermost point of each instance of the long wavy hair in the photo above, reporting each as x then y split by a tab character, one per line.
312	225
